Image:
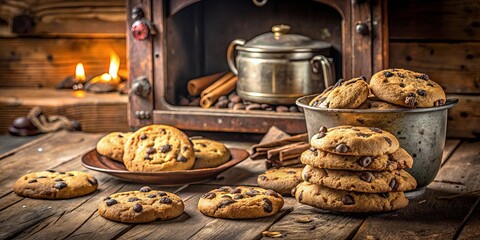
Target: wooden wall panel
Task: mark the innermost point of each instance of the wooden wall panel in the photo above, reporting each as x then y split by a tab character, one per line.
100	18
464	119
435	19
455	66
32	62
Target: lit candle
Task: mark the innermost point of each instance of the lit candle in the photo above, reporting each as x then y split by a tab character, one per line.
80	73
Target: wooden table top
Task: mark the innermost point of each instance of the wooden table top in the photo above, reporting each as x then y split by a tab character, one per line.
430	216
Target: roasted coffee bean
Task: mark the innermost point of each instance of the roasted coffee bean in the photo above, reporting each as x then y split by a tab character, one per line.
387	74
58	180
393	184
385	194
223	98
321	135
365	135
166	148
183	101
32	181
262	177
348	200
281	109
364	161
165	200
225	203
143	136
389	141
367	176
238	196
293	109
151	196
230	105
440	102
60	185
224	189
271	193
235	99
92	181
402	85
181	158
423	77
411	100
377	130
151	150
209	195
111	202
421	92
341	148
264	106
145	189
235	190
161	194
401	75
50	170
137	207
238	106
133	199
221	104
253	106
268	205
225	196
252	192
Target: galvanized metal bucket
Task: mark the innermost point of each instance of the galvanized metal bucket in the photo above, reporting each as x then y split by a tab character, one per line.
420	131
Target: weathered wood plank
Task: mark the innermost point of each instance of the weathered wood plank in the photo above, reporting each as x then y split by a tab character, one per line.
464	119
471	230
96	112
452	65
460	172
426	217
450	146
306	222
9	142
33	62
104	18
431	19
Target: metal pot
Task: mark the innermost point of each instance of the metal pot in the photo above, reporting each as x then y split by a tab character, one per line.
278	68
420	131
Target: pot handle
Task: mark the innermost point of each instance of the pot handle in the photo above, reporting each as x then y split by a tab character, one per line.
231	54
327	68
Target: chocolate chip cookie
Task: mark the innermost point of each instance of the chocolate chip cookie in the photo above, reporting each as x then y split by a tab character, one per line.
209	153
366	181
112	144
407	88
52	184
240	202
320	98
157	148
344	201
145	205
281	180
347	94
357	141
400	159
375	103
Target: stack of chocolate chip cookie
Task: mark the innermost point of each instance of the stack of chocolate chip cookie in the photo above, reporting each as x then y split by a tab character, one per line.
355	169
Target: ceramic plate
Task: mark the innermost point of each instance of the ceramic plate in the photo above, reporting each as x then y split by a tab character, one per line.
94	161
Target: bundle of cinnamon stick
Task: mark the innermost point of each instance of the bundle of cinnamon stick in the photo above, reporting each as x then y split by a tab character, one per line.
280	149
211	88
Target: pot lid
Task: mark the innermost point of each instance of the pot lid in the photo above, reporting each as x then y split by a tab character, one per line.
280	41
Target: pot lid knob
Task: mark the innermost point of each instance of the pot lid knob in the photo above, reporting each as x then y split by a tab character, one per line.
279	30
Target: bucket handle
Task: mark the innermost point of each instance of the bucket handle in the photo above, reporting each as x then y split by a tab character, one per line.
327	69
231	54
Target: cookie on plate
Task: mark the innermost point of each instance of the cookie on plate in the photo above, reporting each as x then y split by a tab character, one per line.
112	144
209	153
344	201
407	88
51	184
240	202
281	180
347	94
157	148
400	159
366	181
142	206
357	141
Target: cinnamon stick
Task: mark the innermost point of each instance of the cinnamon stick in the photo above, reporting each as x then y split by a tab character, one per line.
217	84
197	85
209	99
276	151
293	152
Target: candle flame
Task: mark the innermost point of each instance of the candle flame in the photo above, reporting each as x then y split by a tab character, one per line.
106	77
114	65
80	72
